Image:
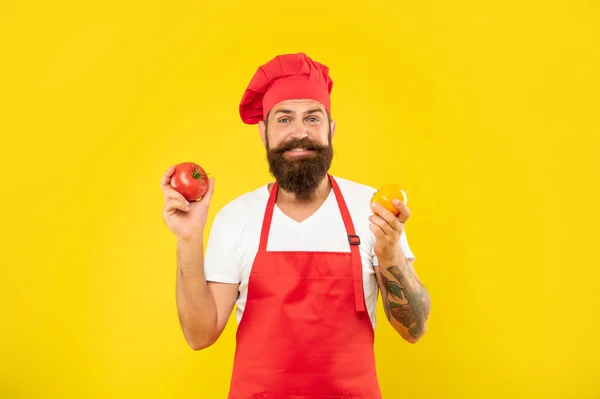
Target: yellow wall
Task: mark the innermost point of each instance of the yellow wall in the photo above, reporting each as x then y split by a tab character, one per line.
487	112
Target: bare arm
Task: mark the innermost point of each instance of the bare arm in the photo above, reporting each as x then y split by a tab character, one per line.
203	307
405	300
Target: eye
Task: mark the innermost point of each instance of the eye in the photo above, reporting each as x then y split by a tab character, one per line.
283	120
313	119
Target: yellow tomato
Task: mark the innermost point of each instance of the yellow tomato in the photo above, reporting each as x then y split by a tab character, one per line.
386	194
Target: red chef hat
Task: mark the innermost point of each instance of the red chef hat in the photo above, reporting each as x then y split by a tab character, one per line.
285	77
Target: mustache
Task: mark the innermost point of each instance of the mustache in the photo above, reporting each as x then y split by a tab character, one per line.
302	143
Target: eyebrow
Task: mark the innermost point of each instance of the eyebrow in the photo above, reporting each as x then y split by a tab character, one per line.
289	111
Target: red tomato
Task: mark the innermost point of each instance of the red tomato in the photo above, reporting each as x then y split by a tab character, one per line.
190	180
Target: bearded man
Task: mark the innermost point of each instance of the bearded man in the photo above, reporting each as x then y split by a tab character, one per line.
302	258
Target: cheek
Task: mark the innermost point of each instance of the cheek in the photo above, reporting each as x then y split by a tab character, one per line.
275	138
320	135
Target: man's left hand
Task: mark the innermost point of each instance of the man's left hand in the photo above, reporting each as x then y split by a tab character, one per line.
387	229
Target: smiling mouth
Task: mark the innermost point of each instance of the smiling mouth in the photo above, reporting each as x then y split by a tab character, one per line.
299	151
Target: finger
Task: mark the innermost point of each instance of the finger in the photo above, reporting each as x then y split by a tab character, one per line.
166	177
386	215
403	209
174	194
379	234
209	191
382	224
173	205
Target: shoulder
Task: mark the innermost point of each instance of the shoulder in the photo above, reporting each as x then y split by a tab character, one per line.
358	198
236	213
357	195
354	187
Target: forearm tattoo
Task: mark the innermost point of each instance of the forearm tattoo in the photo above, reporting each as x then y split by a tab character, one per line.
405	299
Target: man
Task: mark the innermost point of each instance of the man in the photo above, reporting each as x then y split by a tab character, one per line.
302	257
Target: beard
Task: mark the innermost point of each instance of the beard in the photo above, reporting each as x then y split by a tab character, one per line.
300	175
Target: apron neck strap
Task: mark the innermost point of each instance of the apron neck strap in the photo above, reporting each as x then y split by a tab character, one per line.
353	239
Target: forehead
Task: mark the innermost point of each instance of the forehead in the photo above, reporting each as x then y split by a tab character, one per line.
298	106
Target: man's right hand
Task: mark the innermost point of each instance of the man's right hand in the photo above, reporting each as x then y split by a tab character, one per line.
185	219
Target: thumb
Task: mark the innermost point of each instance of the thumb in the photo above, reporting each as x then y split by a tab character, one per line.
209	193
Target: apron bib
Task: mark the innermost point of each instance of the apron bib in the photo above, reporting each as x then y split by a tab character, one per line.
305	332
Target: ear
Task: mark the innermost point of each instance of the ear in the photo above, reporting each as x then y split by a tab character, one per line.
262	128
332	128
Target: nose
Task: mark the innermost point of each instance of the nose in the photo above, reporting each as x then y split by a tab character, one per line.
300	130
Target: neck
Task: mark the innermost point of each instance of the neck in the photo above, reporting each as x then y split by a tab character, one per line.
319	195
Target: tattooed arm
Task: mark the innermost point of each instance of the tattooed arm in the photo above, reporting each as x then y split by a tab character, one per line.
405	300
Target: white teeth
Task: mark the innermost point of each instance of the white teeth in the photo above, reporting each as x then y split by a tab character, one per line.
298	149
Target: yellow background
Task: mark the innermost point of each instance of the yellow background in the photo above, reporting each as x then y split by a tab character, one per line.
487	112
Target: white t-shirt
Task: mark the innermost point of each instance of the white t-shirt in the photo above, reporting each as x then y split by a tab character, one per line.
235	236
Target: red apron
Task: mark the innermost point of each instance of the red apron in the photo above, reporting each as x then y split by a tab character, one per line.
305	332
